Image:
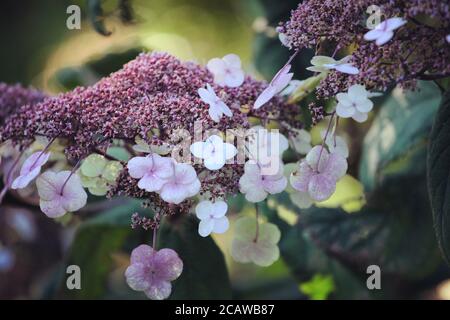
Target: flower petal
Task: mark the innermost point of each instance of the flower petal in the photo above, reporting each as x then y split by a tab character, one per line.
167	264
204	209
301	199
139	166
384	38
373	34
197	149
282	81
232	60
52	209
241	250
215	113
364	106
336	166
30	169
394	23
142	254
321	60
360	116
344	111
219	209
172	192
316	153
321	187
137	277
346	68
357	92
221	225
265	97
269	232
225	109
265	255
205	227
300	179
159	290
235	78
274	185
344	99
151	183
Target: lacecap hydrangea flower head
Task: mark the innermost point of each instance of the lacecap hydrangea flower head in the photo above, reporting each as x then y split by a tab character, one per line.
152	109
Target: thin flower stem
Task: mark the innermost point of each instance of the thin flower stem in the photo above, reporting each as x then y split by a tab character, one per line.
155	231
155	237
286	64
257	223
335	51
325	139
8	176
70	175
335	130
43	151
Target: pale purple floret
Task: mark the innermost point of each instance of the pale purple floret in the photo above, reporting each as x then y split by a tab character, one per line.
153	171
31	168
318	173
152	271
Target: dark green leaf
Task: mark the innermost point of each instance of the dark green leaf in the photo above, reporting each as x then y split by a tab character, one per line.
270	55
393	231
396	143
91	72
94	243
439	175
96	16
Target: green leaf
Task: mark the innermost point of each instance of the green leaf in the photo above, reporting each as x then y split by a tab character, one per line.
71	77
205	275
439	175
393	231
95	241
319	287
397	140
96	17
270	54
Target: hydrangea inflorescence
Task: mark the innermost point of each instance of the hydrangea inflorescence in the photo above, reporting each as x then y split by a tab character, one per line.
412	46
149	109
173	119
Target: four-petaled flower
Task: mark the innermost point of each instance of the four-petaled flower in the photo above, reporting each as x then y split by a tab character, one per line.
60	193
30	169
213	151
152	271
181	185
97	173
212	217
217	108
227	71
318	173
153	171
384	31
355	103
256	186
278	83
255	243
325	64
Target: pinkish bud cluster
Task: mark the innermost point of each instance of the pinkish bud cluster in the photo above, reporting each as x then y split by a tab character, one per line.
416	51
152	97
14	96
